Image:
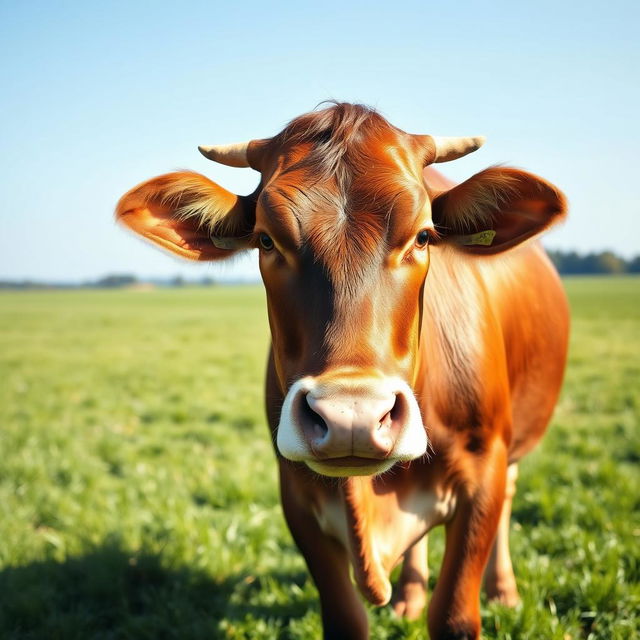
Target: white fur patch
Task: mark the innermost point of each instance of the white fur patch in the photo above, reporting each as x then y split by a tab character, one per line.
290	441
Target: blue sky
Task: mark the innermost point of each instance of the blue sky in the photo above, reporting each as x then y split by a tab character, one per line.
97	97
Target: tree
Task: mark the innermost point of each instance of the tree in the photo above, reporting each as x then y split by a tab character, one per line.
633	266
116	280
608	262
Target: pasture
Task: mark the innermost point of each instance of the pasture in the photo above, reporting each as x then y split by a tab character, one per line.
138	493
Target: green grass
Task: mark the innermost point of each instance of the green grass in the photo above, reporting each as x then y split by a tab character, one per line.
138	487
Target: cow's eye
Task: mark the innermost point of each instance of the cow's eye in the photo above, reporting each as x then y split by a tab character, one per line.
266	242
422	239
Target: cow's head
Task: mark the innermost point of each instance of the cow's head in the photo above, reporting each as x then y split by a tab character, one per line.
343	220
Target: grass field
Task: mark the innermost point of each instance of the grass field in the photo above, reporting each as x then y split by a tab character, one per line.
138	487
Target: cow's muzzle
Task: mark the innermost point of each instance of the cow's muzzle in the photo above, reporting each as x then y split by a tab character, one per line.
344	426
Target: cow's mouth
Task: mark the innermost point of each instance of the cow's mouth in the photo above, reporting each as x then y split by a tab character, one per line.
351	461
350	466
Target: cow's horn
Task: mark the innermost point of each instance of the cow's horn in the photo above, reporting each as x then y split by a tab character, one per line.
453	148
233	155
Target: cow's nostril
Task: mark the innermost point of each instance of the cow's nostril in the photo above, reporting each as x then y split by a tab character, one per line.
399	413
313	422
385	421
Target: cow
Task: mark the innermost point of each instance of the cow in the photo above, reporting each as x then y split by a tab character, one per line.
418	346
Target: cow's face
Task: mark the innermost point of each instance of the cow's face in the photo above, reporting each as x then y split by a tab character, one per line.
343	255
343	222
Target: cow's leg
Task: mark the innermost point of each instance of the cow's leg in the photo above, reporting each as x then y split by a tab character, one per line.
343	614
454	610
499	581
411	590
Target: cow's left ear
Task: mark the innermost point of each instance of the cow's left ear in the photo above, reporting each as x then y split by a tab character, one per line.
495	210
189	215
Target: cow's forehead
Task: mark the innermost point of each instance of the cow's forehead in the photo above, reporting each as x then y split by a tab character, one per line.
376	185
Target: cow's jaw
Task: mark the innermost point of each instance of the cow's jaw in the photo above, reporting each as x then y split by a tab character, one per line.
350	426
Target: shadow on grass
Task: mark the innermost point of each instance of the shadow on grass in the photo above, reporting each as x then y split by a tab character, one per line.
113	593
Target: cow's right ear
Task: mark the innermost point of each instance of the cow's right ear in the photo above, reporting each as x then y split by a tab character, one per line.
189	215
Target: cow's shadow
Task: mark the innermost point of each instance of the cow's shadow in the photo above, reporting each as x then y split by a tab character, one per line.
113	593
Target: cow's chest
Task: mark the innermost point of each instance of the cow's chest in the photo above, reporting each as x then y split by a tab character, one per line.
390	522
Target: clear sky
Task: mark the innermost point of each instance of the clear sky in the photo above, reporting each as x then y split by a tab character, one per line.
98	96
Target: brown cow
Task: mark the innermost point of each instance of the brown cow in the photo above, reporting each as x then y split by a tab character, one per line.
419	394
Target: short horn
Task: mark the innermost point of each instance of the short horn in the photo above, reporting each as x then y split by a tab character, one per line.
233	155
453	148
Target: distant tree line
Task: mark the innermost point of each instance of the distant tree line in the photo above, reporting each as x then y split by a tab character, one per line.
567	263
111	281
120	280
604	262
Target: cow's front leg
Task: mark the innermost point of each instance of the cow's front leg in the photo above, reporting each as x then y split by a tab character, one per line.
454	610
343	614
411	590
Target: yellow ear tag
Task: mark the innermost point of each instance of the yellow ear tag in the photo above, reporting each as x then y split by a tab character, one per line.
484	238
